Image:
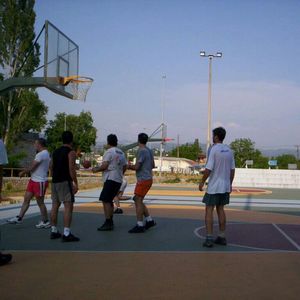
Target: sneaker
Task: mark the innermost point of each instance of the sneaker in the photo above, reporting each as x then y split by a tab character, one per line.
5	259
220	241
55	235
106	227
208	243
70	238
14	220
118	211
137	229
150	224
43	224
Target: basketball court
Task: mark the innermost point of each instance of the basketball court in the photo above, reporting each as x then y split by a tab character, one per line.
167	262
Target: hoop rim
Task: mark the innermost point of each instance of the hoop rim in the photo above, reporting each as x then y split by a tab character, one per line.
75	79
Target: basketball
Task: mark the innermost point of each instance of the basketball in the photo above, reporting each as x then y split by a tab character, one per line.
86	164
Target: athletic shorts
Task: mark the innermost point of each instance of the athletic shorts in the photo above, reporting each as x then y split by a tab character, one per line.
216	199
62	192
38	189
142	187
109	191
123	186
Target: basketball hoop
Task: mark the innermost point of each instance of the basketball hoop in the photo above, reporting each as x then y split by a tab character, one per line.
77	85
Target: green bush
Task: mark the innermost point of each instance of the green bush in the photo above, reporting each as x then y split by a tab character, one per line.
193	180
172	180
14	160
8	186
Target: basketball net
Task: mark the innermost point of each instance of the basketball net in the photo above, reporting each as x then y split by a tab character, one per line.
78	86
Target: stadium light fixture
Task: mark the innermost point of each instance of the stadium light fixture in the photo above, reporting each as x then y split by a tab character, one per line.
209	130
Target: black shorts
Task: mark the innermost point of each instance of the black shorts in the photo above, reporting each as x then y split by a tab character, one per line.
109	191
216	199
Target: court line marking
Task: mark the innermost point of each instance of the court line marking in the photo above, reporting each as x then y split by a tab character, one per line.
215	251
287	237
242	246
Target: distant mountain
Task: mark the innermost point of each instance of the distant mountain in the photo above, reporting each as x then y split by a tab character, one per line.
278	152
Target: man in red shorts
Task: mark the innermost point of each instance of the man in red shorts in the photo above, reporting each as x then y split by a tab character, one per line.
37	184
143	167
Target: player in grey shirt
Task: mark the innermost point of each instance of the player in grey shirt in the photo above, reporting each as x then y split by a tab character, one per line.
143	167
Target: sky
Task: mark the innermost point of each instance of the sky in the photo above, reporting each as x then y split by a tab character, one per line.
127	46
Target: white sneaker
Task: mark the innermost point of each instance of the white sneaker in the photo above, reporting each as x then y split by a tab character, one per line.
43	224
14	220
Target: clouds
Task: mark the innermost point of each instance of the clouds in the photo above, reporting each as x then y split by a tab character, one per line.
266	112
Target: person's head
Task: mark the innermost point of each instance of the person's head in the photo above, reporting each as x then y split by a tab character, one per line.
219	134
143	138
67	137
40	144
112	140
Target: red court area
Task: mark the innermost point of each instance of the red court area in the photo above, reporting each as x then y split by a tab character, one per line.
280	237
250	191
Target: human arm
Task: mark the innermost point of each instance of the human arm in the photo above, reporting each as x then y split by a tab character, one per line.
30	169
101	168
206	174
134	167
232	173
72	170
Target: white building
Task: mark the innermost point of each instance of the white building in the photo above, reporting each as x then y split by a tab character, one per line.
174	164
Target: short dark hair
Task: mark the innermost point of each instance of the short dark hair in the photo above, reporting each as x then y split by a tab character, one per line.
220	132
42	142
112	140
143	138
67	137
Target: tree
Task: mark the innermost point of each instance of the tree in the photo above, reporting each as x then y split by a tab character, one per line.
21	110
285	159
244	149
81	126
188	150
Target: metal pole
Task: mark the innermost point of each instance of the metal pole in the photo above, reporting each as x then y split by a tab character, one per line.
208	142
177	153
65	126
160	158
162	123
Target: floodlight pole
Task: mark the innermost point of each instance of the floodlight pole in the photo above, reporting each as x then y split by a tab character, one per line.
209	130
162	123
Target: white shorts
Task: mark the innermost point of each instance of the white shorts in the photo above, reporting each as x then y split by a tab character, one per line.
123	185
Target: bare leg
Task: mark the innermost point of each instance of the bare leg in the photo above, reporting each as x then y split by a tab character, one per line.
68	210
25	205
139	208
146	212
117	199
209	218
43	209
54	212
108	210
221	217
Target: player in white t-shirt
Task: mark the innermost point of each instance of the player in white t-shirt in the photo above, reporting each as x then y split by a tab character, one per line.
37	184
220	169
113	166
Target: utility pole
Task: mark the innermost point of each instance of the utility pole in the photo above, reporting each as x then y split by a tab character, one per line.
162	123
297	146
177	145
177	153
